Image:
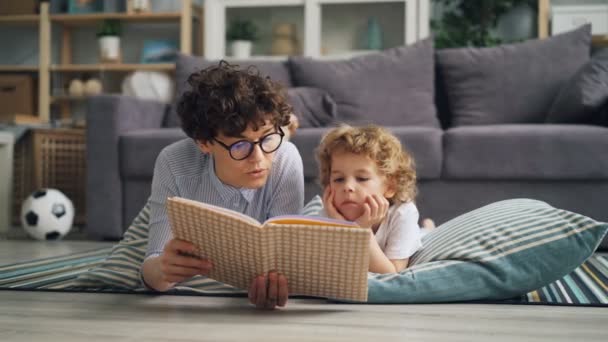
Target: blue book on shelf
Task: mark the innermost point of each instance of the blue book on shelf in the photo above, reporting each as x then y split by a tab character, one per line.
159	51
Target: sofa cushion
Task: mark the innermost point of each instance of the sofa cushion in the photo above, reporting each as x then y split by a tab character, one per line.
313	107
526	152
582	98
424	143
139	149
513	83
393	87
185	65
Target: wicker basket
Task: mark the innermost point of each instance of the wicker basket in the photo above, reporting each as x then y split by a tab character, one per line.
51	158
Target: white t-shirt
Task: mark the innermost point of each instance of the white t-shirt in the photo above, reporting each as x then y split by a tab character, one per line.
399	235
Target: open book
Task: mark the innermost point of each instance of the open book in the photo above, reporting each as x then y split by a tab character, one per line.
319	256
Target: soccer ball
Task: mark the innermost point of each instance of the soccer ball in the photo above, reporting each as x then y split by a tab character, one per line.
47	214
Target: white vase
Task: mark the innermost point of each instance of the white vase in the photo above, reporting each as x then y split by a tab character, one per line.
109	48
241	49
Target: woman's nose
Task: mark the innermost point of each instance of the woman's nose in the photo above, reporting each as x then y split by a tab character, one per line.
257	154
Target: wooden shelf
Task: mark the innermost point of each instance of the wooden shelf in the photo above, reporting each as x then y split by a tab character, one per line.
600	40
93	19
18	68
24	19
118	67
67	98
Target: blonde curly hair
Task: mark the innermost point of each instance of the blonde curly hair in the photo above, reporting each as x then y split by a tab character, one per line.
392	159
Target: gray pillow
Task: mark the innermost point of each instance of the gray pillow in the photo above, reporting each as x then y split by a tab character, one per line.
582	98
185	65
513	83
313	107
393	87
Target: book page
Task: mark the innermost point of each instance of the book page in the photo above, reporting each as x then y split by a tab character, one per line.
322	260
225	211
310	220
232	243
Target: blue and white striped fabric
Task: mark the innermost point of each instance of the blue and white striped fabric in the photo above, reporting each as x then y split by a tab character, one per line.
499	251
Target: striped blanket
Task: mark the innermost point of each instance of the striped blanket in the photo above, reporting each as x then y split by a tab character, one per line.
587	285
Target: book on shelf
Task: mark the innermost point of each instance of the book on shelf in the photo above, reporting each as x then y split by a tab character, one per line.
320	257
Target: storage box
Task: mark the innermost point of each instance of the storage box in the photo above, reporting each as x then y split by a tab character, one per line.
568	17
16	96
51	158
16	7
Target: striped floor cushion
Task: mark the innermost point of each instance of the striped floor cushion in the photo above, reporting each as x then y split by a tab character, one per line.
496	252
587	285
501	251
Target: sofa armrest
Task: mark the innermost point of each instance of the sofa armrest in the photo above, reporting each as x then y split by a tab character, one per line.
108	117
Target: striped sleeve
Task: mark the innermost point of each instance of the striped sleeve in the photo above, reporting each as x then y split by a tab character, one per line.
287	197
163	186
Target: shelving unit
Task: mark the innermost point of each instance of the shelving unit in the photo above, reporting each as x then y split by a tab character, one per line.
42	21
68	23
415	23
544	20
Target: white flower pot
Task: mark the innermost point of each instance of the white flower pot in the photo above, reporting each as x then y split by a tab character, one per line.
109	48
241	49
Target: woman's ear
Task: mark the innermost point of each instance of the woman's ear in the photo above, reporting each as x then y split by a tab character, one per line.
205	147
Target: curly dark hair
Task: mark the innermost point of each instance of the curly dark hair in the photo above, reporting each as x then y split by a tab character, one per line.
226	99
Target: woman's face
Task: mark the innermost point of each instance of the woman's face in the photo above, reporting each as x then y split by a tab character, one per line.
251	172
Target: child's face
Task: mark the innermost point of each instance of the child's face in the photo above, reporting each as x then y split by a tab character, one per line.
354	178
251	172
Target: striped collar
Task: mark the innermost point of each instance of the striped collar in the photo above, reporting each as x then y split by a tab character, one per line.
228	193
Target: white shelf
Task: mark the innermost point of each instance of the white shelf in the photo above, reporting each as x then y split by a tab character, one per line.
415	23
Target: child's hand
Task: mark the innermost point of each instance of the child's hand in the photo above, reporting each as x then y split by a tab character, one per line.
328	203
375	209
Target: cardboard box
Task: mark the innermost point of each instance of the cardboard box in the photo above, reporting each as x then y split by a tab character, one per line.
16	96
16	7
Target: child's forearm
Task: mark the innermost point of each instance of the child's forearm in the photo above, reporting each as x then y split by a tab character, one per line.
378	262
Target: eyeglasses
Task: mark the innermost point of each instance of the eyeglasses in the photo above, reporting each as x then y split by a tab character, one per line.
243	148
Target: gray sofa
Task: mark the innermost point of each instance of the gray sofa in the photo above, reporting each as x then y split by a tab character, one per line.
476	129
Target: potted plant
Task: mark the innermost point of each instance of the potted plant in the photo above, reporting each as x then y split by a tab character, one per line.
108	37
241	34
472	23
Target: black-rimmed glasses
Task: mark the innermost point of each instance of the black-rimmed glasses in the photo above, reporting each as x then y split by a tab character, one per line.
243	148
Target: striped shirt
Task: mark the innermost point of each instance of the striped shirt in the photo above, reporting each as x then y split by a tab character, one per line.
183	170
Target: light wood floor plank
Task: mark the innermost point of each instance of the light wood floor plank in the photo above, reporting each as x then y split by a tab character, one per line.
66	317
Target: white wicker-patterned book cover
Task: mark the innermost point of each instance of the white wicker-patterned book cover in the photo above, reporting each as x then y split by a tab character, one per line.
320	257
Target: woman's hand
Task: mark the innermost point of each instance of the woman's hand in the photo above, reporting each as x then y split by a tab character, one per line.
267	292
328	204
375	209
178	263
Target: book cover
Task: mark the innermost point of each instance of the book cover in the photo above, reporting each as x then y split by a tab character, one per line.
320	257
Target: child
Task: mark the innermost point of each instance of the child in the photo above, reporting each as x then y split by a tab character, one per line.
370	179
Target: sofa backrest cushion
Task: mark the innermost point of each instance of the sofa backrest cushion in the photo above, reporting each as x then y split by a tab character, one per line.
393	87
582	98
186	65
313	107
512	83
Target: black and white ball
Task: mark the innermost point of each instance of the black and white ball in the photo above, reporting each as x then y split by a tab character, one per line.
47	214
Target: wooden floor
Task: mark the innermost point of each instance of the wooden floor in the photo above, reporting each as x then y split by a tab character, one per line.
51	316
